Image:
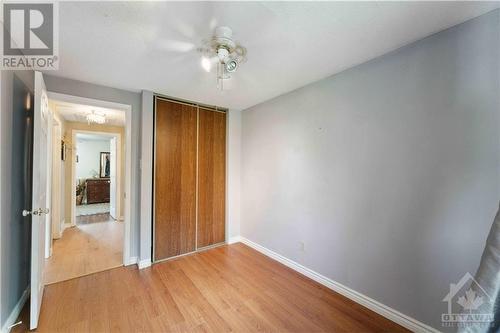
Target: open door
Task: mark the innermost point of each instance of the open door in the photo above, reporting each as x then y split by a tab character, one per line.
39	208
112	178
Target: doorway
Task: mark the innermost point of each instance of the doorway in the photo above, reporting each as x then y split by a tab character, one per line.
97	175
90	224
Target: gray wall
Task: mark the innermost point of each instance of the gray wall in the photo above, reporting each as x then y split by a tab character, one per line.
233	174
88	90
388	172
15	235
147	129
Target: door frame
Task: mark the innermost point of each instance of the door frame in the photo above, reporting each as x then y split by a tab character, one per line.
57	194
55	179
117	184
127	108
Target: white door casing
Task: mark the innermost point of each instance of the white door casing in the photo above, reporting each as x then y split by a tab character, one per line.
112	178
39	208
56	180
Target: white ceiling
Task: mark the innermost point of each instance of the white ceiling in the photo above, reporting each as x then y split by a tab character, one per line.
78	113
290	44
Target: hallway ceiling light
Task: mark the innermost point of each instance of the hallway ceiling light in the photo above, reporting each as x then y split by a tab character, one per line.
97	118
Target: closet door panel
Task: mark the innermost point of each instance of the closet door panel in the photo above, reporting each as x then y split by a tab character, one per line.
175	179
211	177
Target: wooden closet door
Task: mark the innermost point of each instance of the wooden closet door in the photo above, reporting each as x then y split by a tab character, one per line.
175	179
211	177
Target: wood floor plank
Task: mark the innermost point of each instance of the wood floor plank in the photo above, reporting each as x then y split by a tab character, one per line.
224	298
84	249
280	309
227	289
191	301
324	307
277	278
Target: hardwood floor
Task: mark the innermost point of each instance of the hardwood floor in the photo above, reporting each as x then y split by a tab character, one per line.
91	246
229	288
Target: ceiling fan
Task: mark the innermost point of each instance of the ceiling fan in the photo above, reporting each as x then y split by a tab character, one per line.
222	52
183	41
219	52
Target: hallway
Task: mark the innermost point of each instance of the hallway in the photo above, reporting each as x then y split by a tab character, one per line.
93	245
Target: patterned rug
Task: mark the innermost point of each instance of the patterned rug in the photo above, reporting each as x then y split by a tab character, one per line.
95	218
92	209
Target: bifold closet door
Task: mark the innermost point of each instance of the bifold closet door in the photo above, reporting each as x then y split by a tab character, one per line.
175	179
211	177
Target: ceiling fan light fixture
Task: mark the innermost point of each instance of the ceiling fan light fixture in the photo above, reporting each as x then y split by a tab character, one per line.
206	64
231	66
224	53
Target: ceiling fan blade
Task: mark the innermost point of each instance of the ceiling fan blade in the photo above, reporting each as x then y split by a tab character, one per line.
175	45
212	24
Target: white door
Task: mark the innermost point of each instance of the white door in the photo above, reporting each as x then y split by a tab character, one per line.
39	210
112	177
48	152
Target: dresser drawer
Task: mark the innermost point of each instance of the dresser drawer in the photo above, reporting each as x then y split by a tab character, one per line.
97	190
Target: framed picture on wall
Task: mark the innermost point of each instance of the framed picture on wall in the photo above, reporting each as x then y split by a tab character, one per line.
104	167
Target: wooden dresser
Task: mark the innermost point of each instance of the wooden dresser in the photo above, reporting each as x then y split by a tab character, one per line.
97	190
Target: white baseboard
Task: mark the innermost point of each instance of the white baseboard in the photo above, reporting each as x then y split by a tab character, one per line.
383	310
66	226
61	228
144	263
131	261
16	311
233	240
